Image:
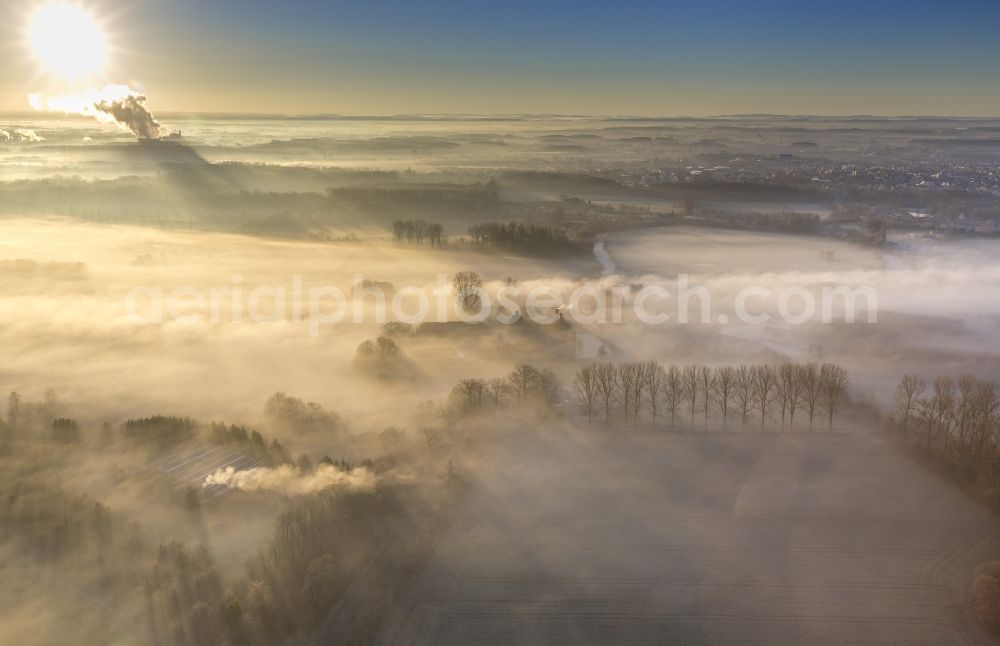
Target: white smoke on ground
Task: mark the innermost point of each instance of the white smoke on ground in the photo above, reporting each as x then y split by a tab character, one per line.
28	136
110	104
24	135
603	257
291	481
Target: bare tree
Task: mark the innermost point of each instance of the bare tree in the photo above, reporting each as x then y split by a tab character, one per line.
673	392
467	286
653	378
722	390
785	389
743	389
606	377
938	411
471	393
435	233
834	380
691	381
521	380
586	389
811	389
628	384
765	378
966	392
545	388
496	388
910	389
795	396
705	378
640	385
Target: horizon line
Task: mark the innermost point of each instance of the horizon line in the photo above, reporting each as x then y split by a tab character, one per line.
512	116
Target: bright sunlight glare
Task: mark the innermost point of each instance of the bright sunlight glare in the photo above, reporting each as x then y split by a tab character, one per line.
67	41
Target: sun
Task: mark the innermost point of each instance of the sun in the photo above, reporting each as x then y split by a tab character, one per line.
67	41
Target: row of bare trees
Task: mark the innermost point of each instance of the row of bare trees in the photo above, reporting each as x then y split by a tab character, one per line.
417	231
693	391
525	384
957	421
522	236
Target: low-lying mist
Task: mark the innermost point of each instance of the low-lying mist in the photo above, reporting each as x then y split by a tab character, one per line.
215	433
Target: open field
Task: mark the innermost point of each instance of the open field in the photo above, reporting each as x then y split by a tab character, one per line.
703	539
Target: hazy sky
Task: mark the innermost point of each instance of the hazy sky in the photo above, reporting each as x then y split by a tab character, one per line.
634	57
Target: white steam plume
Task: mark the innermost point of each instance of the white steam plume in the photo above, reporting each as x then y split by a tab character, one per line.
24	135
28	136
289	480
110	104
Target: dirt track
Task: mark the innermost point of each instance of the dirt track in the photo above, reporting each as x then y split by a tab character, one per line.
649	538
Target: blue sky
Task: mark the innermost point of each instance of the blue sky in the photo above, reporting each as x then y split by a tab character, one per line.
712	57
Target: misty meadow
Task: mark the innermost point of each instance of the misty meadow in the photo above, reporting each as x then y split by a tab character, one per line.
192	457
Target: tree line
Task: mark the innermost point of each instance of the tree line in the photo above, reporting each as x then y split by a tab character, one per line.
766	392
525	389
417	232
956	422
522	236
44	420
525	384
161	430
